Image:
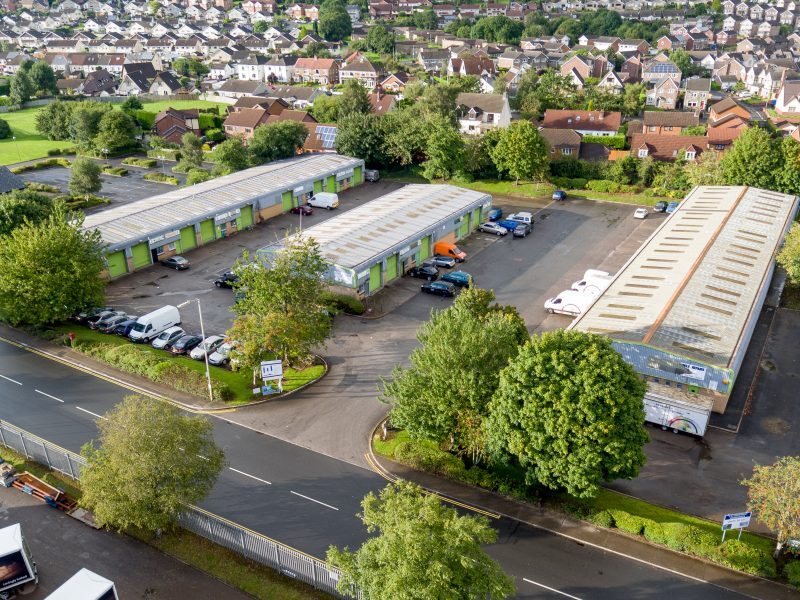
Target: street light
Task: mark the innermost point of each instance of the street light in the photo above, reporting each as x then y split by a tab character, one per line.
16	147
105	154
203	334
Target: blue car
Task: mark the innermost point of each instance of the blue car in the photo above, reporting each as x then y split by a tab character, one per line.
125	327
559	195
457	278
508	224
672	207
495	214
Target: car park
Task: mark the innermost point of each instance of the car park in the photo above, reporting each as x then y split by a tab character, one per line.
660	206
522	230
124	328
106	318
457	278
440	288
559	195
303	209
176	262
222	355
672	207
437	260
226	280
109	325
640	213
185	344
166	338
424	272
494	228
495	214
207	346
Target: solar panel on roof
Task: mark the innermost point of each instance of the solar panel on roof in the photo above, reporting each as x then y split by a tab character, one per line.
327	135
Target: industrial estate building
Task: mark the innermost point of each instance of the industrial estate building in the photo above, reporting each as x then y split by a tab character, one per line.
683	308
141	233
377	242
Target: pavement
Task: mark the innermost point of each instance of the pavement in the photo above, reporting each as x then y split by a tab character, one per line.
61	546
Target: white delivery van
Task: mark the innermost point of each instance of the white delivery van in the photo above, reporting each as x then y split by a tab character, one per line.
570	302
327	200
85	585
593	281
18	571
149	326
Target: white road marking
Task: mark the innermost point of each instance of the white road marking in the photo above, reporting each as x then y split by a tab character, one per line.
317	501
48	395
11	380
91	413
555	591
250	476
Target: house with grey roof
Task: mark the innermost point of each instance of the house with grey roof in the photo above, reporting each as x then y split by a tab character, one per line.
477	113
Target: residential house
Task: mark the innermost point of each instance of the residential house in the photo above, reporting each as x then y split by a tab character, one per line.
585	122
164	83
243	122
664	94
280	69
611	81
136	78
252	68
698	92
477	113
236	88
577	64
324	71
172	124
562	142
727	119
296	96
788	99
396	82
362	70
668	147
433	60
661	68
470	66
668	123
633	45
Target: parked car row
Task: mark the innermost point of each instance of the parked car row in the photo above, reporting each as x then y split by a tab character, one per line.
519	224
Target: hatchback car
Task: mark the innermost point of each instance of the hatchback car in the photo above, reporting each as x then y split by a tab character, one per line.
109	325
640	213
457	278
207	346
124	328
660	206
672	207
440	288
176	262
522	230
84	315
106	317
221	356
185	344
424	272
495	213
108	312
493	228
168	337
226	280
439	260
303	209
559	195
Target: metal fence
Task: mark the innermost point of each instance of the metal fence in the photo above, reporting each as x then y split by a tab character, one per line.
252	545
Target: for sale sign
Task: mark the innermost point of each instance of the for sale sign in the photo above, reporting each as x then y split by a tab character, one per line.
736	521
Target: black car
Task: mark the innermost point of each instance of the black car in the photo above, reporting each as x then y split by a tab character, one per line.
303	209
441	288
125	327
424	272
84	316
176	262
660	206
185	344
227	280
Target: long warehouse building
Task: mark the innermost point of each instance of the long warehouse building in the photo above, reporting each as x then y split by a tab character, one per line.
144	232
684	307
377	242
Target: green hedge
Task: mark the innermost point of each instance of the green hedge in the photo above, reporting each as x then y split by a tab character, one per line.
145	163
567	183
36	186
145	118
117	171
161	178
609	141
215	135
132	359
611	187
343	303
60	151
167	153
43	164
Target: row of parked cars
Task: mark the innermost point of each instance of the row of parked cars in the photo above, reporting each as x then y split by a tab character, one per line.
518	224
161	329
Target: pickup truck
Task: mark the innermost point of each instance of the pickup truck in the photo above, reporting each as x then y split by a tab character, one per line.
522	217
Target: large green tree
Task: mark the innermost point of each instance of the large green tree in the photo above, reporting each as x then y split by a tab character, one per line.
773	494
633	99
444	394
362	136
50	270
53	120
231	155
20	206
191	151
21	88
380	39
43	78
85	122
789	256
521	152
422	550
706	169
405	135
152	460
334	22
570	411
354	99
444	151
426	19
326	108
753	160
84	177
275	141
787	179
115	131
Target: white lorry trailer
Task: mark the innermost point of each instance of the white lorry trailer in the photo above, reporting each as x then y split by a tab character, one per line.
17	568
85	585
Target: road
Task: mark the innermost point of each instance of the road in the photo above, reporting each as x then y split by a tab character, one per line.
308	500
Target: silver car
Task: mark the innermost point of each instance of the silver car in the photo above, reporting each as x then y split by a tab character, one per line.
493	228
207	346
168	337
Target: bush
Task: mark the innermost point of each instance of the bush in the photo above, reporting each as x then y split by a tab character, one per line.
146	163
603	518
42	164
627	522
603	185
343	303
197	176
742	557
577	183
5	129
145	118
117	171
215	135
36	186
209	121
655	532
792	572
161	178
60	151
167	153
609	141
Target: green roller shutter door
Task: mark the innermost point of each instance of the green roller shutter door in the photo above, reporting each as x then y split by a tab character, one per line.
374	277
318	185
245	218
357	176
286	200
463	228
425	248
391	267
331	183
141	255
207	231
476	218
117	264
188	238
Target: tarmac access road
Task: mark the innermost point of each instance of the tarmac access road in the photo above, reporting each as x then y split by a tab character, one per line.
309	501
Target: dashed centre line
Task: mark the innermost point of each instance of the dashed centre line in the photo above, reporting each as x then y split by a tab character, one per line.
312	500
48	395
555	591
250	476
11	380
91	413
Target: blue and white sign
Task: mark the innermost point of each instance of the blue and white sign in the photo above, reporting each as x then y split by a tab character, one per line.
736	521
271	369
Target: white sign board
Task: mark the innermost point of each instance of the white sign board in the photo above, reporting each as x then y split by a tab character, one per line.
694	371
736	521
271	369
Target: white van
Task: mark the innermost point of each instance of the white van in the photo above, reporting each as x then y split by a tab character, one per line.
327	200
85	585
569	303
152	324
593	281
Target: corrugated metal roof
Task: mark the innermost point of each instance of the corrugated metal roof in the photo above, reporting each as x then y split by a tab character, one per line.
134	221
690	288
358	237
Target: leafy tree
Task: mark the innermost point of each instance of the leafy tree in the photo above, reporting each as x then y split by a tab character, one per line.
500	29
260	26
43	78
706	169
19	206
334	22
115	131
548	90
354	99
316	50
426	19
85	122
671	177
570	411
789	256
521	152
478	155
683	61
191	151
773	494
423	550
361	136
276	140
50	270
5	129
454	372
326	108
131	104
406	135
54	119
190	67
197	176
752	160
624	170
787	178
444	151
151	461
282	312
85	177
21	88
231	155
379	39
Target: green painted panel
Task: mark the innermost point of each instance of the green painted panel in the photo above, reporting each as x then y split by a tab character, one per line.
286	199
332	183
318	185
188	238
246	216
476	218
374	277
425	248
463	228
117	264
207	231
391	267
357	176
141	255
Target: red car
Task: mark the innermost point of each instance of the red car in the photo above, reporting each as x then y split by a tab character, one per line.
303	209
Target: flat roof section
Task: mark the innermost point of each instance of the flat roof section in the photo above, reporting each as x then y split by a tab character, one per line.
363	234
691	287
133	222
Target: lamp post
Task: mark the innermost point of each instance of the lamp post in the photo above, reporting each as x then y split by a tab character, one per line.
105	154
203	334
16	147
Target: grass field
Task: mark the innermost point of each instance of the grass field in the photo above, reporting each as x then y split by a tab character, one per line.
30	145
